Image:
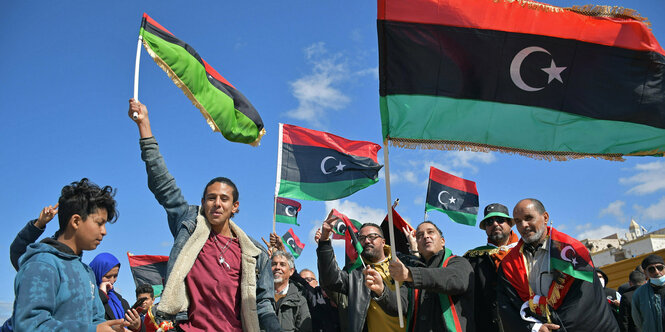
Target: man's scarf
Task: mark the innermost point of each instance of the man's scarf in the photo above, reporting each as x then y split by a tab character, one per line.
101	265
514	269
500	252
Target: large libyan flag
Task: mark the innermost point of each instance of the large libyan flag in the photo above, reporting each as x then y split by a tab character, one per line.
320	166
225	109
521	77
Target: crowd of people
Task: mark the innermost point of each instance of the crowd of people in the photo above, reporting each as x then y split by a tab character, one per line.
220	279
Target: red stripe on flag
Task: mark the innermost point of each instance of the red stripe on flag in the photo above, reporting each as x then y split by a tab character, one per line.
515	16
155	24
289	202
303	136
140	260
452	181
296	239
215	74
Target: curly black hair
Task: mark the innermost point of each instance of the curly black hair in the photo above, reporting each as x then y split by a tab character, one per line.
84	198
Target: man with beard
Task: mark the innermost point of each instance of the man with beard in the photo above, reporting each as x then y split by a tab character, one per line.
485	262
532	296
366	310
290	306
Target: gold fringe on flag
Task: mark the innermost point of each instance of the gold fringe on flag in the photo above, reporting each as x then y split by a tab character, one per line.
179	83
447	145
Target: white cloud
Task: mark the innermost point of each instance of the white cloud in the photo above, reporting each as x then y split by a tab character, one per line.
650	178
319	91
652	212
468	159
591	232
6	309
356	211
404	176
614	209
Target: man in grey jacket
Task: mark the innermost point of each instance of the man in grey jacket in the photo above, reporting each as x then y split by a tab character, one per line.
218	278
292	310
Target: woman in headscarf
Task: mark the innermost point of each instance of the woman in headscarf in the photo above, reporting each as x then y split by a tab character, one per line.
106	268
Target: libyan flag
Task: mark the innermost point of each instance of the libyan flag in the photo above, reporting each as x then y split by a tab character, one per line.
349	228
521	77
320	166
149	269
452	195
292	242
287	211
225	109
401	242
570	256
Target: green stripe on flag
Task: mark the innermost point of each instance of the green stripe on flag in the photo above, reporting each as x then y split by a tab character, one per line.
322	191
567	268
458	217
422	118
234	125
286	219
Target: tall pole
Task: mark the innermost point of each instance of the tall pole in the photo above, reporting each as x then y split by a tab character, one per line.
137	63
278	177
391	227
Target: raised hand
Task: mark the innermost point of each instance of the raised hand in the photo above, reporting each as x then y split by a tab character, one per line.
399	272
116	325
326	228
276	242
139	114
46	215
373	280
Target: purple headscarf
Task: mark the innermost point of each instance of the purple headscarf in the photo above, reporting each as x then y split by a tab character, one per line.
101	265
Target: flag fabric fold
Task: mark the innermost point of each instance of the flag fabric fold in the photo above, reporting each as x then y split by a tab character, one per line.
401	242
570	256
452	195
316	165
225	109
149	269
457	74
352	246
292	243
287	211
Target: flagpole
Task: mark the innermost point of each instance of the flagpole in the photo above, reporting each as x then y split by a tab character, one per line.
137	63
391	227
277	177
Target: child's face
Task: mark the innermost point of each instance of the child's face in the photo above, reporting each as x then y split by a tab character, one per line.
92	230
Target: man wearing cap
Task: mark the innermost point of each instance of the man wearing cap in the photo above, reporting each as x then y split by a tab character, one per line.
648	301
485	261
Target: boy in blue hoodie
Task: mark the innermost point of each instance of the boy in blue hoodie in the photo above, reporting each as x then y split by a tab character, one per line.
55	290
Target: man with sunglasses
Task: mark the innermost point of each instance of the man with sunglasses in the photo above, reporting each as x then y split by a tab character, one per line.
485	261
366	309
648	306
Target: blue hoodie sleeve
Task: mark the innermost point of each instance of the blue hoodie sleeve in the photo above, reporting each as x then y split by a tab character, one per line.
28	235
36	287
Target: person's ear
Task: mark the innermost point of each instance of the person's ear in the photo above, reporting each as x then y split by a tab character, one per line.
75	221
236	204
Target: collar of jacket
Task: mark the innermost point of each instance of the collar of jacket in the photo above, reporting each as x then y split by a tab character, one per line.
174	297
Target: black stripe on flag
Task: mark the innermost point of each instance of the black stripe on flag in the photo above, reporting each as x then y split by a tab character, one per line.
313	164
451	199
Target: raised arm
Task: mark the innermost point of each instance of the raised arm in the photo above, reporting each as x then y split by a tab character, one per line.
160	181
330	275
30	233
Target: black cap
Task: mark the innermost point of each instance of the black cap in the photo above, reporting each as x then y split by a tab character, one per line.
652	259
495	210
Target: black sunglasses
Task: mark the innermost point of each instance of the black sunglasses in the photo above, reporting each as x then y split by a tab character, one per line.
652	269
498	220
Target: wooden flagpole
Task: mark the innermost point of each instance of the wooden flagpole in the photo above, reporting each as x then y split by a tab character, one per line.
277	177
391	227
137	63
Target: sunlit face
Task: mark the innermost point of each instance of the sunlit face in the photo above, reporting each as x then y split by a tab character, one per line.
372	242
281	271
497	229
309	277
91	231
531	224
655	270
429	240
218	204
112	275
149	300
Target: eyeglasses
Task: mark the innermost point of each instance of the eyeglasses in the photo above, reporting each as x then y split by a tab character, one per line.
652	269
309	279
371	237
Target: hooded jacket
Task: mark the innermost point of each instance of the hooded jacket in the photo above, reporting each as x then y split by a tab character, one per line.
293	312
55	291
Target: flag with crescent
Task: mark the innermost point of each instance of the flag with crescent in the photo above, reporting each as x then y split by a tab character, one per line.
352	246
573	82
225	109
339	226
149	269
292	243
319	166
287	211
452	195
570	256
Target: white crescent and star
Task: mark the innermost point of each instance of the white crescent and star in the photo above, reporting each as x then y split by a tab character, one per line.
565	257
290	211
553	72
291	242
338	168
451	200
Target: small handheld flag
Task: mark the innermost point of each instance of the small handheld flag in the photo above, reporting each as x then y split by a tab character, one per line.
452	195
320	166
570	256
401	242
149	269
292	242
287	211
352	246
225	109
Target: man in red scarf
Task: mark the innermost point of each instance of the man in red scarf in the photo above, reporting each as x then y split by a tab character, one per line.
533	295
485	261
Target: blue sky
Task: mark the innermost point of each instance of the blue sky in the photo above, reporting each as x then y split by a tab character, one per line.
68	74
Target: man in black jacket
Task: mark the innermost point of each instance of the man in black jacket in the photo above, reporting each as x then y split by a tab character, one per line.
366	311
626	323
442	284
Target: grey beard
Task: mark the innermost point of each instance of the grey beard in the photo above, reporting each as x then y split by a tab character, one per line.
535	237
498	238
